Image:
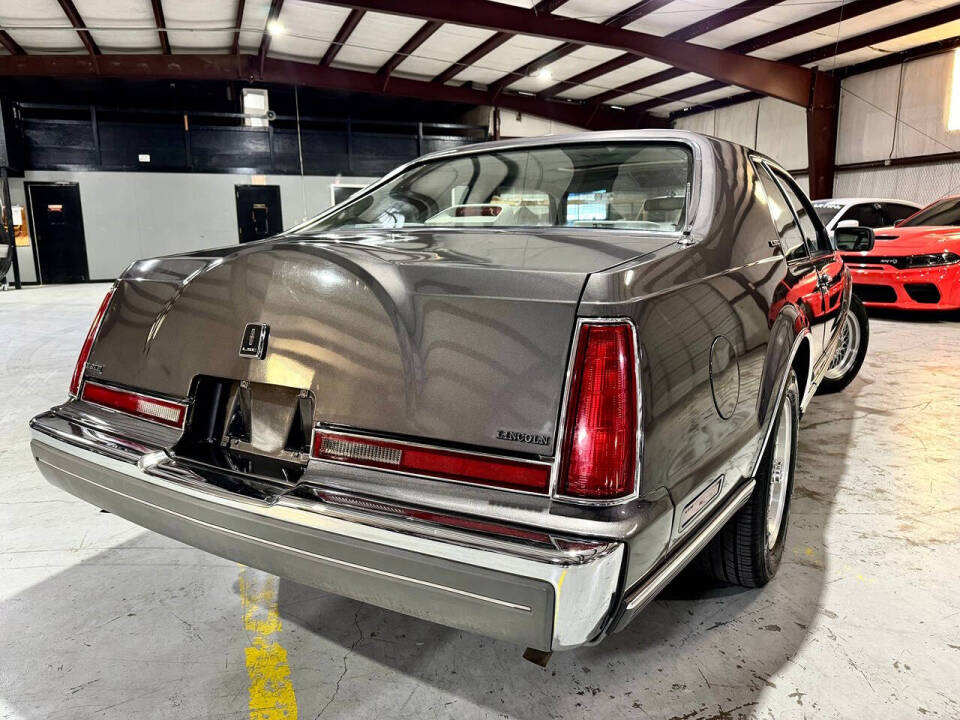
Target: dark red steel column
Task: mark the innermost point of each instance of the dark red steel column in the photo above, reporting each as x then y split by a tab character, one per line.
822	118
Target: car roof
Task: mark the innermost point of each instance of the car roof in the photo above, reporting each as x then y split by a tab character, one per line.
857	200
584	137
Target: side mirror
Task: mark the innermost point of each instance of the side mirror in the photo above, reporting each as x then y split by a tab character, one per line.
848	224
899	222
853	239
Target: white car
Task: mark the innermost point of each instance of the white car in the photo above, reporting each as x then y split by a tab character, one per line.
863	212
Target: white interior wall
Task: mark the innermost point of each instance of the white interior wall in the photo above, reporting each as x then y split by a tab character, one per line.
868	104
919	183
127	216
896	112
899	112
773	127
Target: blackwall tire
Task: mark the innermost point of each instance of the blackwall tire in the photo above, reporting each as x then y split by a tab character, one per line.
846	365
747	551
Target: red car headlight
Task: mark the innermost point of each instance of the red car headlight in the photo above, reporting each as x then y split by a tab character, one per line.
931	260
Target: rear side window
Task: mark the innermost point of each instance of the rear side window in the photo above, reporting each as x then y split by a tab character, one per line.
791	239
866	215
943	213
895	212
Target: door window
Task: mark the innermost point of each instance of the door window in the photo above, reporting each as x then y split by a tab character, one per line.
894	212
813	231
791	239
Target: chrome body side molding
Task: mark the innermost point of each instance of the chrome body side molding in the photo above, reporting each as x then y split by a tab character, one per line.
639	596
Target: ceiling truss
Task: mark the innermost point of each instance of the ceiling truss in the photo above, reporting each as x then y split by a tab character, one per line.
731	66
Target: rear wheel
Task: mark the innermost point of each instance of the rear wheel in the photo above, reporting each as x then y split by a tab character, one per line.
748	549
854	337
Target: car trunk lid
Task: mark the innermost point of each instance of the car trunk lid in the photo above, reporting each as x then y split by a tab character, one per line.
460	337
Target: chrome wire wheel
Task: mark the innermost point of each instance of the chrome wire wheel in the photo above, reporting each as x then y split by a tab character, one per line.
847	350
780	473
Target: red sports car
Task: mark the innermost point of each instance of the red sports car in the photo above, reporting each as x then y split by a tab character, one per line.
914	265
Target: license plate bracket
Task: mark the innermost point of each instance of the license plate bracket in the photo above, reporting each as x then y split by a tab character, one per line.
270	420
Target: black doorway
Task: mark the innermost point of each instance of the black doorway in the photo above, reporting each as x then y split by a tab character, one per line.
258	212
56	219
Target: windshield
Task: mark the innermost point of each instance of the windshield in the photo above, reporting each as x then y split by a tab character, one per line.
618	185
945	212
827	211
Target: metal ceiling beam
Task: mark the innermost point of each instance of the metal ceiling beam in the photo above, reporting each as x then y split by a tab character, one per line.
535	66
484	48
878	63
801	27
161	25
635	12
717	20
491	44
924	22
847	11
12	46
680	94
247	68
716	104
237	24
897	58
884	34
621	19
272	16
408	48
85	37
343	34
781	80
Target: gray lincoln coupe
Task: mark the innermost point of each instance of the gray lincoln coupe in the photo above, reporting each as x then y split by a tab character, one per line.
513	388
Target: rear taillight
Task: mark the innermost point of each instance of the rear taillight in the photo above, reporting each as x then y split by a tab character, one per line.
147	407
88	344
599	454
432	462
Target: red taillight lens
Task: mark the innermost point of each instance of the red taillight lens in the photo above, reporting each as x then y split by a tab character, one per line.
432	462
600	440
161	411
88	344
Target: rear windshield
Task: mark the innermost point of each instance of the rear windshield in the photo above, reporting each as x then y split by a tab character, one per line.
945	212
827	211
642	186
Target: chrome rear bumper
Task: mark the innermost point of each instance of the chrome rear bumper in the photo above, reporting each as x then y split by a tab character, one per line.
544	595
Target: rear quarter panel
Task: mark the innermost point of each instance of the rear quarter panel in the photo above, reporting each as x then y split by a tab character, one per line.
725	285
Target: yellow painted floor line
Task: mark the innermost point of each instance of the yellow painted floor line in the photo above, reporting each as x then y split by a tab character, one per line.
271	691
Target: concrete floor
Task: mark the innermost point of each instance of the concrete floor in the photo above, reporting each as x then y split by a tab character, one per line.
100	619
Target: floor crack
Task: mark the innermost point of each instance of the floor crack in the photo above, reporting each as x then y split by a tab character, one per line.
356	623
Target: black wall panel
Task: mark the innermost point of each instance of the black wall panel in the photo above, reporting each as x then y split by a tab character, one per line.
52	144
328	148
121	144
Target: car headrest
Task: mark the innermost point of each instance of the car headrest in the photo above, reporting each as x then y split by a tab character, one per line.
663	204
